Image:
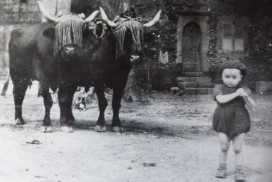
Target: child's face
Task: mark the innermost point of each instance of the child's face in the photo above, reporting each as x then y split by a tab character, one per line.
231	77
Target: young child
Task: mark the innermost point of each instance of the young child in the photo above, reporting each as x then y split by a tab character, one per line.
231	118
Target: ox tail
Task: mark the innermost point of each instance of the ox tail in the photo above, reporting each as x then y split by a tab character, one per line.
5	87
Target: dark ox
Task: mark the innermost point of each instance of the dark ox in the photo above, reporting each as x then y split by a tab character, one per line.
112	61
52	53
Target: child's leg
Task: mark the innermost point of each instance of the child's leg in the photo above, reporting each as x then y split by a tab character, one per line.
224	147
238	142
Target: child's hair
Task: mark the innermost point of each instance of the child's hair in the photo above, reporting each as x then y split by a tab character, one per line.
233	65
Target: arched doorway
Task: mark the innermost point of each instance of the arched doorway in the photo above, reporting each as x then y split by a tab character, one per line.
191	47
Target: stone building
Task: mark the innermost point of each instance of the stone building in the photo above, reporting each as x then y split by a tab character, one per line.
208	32
200	34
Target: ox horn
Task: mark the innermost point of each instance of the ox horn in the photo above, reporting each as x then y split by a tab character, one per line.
105	18
46	14
154	21
91	17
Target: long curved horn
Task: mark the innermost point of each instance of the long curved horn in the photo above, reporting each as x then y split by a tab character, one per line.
91	17
105	18
154	21
46	14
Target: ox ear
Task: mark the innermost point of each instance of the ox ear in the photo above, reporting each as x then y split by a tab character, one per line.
49	33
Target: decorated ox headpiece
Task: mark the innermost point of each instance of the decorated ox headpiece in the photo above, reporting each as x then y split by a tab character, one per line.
127	22
68	28
137	34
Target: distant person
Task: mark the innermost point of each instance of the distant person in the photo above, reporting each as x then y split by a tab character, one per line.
231	118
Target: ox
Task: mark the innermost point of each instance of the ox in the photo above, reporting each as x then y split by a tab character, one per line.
52	53
113	62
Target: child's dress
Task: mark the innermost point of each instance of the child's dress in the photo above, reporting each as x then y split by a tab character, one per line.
231	118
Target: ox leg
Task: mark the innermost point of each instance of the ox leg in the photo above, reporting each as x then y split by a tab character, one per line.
48	102
19	90
65	96
116	105
118	93
102	103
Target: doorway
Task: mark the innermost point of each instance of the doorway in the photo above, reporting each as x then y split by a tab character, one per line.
191	47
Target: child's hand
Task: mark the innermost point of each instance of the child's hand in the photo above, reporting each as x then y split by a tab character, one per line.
242	92
238	91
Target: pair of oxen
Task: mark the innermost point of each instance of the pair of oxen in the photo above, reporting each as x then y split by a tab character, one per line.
70	51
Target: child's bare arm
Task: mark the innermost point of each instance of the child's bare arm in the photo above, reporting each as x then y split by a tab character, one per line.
226	98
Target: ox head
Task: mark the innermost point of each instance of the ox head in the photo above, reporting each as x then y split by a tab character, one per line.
68	32
129	32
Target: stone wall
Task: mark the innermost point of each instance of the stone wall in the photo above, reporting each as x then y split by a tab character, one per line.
15	12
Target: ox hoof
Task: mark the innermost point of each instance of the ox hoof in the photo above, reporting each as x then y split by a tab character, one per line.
117	129
67	129
19	121
99	128
46	129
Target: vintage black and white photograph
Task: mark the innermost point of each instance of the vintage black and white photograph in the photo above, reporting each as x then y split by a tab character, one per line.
135	91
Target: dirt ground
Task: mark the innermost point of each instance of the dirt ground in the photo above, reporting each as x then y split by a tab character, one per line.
168	138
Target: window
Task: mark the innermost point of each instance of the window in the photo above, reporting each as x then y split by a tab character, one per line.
233	37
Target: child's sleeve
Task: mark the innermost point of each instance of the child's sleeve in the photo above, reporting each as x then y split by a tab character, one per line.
217	90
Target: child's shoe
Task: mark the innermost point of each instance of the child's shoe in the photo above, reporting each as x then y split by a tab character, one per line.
221	173
239	176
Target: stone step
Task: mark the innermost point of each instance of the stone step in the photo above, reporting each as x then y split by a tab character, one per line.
205	84
190	90
195	85
204	90
198	90
193	79
187	85
193	74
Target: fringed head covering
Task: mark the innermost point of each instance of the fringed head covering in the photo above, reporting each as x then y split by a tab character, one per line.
68	31
137	33
129	13
233	65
